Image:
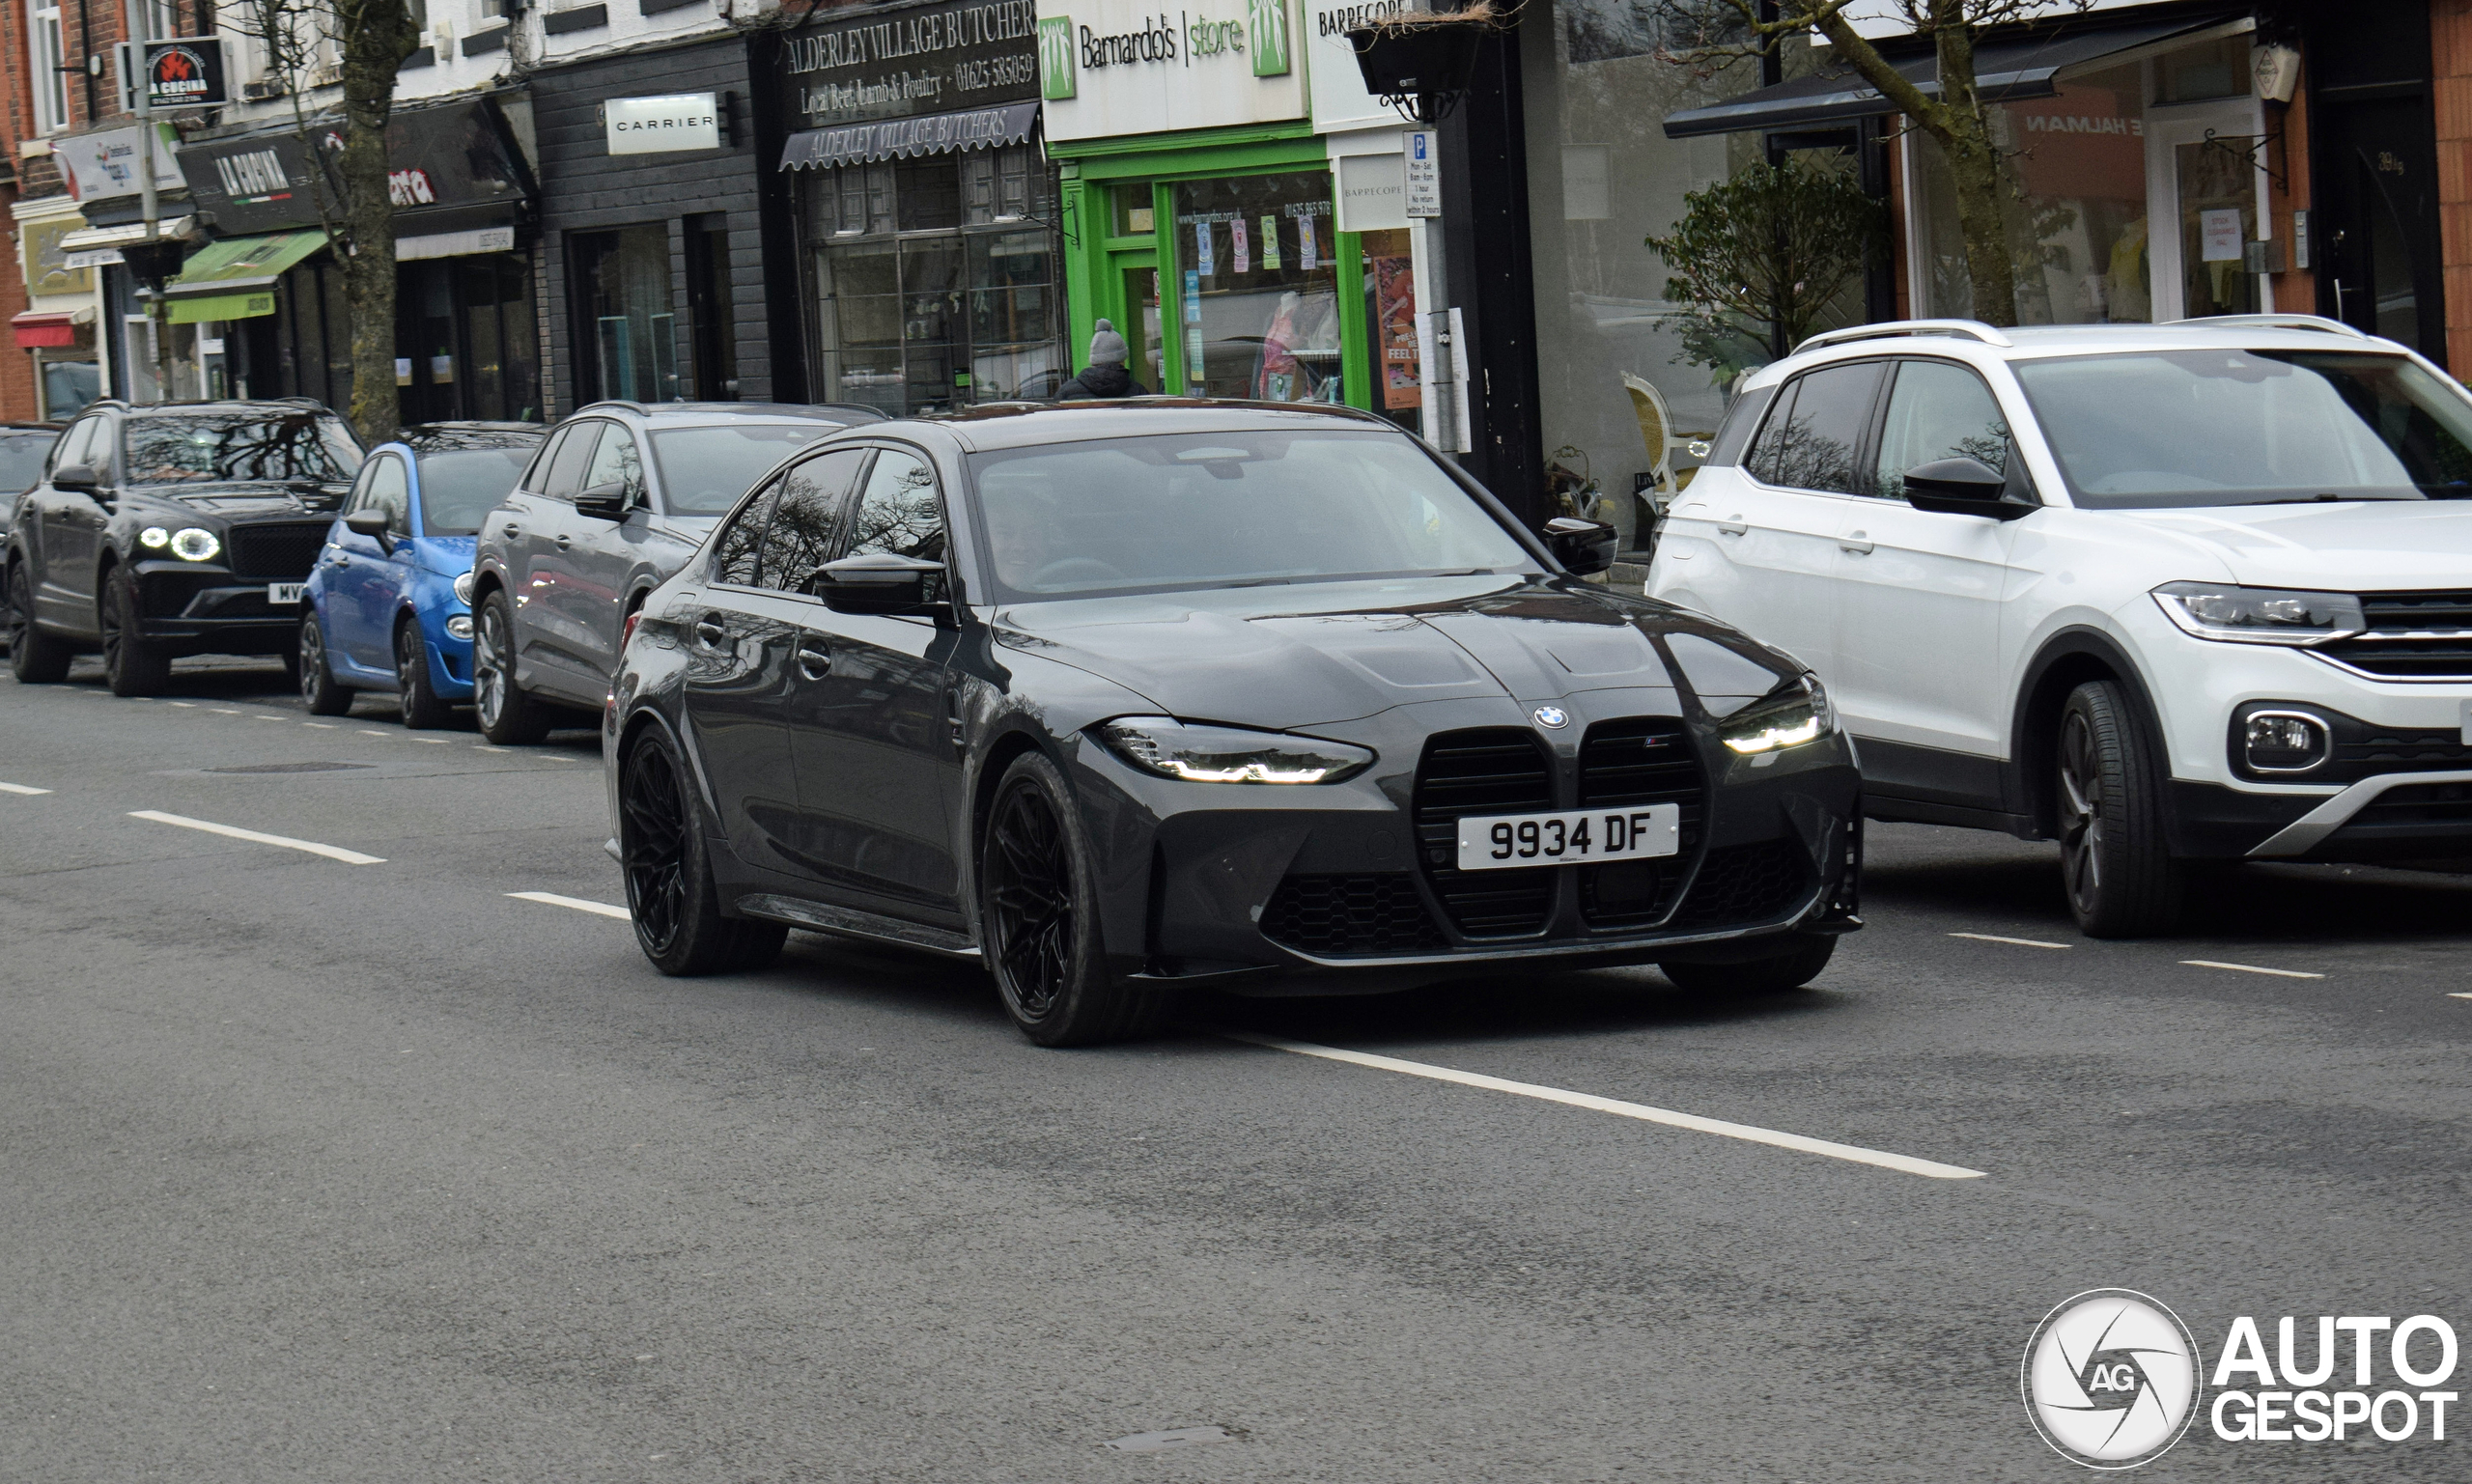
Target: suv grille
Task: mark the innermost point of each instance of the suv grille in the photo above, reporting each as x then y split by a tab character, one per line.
1329	915
1498	771
2385	652
276	553
1623	764
1742	884
2398	749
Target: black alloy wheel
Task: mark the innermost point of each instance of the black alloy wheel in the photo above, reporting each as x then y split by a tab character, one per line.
132	666
318	690
422	711
508	716
670	891
1798	965
1038	929
34	658
2114	859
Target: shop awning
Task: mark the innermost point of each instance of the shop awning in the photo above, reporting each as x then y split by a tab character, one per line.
220	306
970	128
2005	71
241	263
37	329
87	239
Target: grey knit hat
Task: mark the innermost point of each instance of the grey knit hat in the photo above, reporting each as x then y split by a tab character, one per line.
1106	347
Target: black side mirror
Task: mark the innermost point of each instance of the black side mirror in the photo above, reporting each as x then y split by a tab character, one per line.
371	524
77	477
880	583
603	502
1964	486
1584	548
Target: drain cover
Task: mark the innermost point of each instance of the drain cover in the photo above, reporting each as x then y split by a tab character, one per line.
291	767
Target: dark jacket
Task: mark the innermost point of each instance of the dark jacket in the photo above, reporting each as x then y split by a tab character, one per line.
1101	382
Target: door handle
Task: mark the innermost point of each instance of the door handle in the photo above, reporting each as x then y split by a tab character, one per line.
1732	527
1854	544
710	630
513	530
564	541
815	660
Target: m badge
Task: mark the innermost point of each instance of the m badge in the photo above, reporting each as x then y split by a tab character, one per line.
1058	78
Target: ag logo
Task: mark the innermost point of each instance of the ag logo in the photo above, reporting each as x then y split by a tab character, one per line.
2111	1379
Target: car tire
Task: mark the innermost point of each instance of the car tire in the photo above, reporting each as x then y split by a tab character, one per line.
131	666
2115	863
508	716
318	689
34	658
1791	970
1039	926
668	860
422	711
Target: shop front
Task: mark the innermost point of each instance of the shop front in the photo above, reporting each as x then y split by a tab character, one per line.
925	216
1199	205
139	357
56	329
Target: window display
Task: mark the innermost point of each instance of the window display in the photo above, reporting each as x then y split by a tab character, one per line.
1260	292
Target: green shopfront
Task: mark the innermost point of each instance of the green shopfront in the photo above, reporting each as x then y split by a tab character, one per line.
1197	201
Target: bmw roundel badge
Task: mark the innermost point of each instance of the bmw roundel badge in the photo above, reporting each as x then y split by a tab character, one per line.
1550	716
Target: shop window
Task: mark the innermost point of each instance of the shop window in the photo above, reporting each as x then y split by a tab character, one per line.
2217	68
1260	303
50	81
927	193
1136	210
623	298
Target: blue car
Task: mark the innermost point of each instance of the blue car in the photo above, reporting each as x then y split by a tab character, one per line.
388	604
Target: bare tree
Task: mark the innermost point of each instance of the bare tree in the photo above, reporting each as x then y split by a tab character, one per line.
1959	119
360	43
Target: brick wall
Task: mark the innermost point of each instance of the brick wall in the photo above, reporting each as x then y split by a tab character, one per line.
2450	80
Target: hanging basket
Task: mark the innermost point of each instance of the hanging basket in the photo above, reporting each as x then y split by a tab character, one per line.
1423	57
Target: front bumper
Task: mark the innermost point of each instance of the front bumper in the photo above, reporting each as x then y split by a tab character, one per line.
204	608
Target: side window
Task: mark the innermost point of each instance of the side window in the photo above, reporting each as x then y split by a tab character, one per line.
1735	431
359	499
1938	411
77	444
575	452
536	474
899	512
741	541
1812	441
616	463
807	516
390	491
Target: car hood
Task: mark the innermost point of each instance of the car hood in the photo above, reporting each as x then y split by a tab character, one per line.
238	501
1323	652
2369	546
449	556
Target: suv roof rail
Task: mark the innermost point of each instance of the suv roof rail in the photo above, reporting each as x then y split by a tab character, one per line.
2278	322
1974	329
621	402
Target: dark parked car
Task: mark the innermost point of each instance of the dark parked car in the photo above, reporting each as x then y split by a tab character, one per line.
23	448
1123	698
616	501
180	528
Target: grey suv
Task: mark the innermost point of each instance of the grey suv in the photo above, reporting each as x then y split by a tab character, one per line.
620	497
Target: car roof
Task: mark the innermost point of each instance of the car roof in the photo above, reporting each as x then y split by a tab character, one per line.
267	404
1027	424
452	437
1972	339
707	413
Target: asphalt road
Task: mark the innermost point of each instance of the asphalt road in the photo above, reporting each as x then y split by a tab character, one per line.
313	1170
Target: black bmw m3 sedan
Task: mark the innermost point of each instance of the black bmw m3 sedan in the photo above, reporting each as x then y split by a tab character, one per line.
1120	699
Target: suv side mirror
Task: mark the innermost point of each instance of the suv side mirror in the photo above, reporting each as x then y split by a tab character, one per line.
603	502
881	582
1584	548
1964	486
80	478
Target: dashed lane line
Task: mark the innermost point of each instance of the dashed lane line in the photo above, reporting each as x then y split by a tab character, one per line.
2022	943
186	705
1855	1152
372	732
2459	995
552	899
233	831
323	726
21	788
2252	968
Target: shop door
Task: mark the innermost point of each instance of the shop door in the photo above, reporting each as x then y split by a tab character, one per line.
2376	222
2201	160
1136	276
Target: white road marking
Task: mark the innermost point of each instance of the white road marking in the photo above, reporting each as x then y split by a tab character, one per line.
485	747
19	788
435	741
552	898
1620	1108
2022	943
330	852
366	731
323	726
186	705
273	719
2458	995
223	711
2251	969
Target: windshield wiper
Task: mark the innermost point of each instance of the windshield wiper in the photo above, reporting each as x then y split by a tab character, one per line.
2327	497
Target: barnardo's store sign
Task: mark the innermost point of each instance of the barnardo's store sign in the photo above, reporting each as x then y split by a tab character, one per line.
1110	67
903	63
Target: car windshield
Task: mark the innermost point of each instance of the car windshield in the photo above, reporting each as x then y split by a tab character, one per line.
459	488
704	471
1223	508
2167	429
22	456
197	447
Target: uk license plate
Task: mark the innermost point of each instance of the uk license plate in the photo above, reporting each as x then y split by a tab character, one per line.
285	592
1502	842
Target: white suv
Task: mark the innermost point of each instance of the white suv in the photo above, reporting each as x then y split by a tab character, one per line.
2163	593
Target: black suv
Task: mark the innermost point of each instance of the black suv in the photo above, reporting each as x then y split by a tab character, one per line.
177	528
23	449
619	497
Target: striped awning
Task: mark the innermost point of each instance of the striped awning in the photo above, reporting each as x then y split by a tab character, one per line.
939	133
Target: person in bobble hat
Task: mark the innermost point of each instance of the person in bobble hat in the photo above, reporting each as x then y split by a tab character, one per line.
1105	375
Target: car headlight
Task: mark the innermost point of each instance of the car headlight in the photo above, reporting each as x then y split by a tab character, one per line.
1798	716
460	627
195	544
1227	754
2259	615
155	538
463	589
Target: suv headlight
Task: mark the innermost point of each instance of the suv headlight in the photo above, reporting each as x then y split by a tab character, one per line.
2259	615
154	537
464	588
1788	720
195	544
1227	754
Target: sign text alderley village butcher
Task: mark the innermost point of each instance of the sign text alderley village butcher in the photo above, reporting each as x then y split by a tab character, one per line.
946	57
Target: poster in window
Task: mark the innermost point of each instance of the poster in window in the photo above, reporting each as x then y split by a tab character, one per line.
1394	317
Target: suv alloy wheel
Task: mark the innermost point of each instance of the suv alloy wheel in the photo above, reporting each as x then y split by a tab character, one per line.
2121	879
132	666
34	658
508	717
